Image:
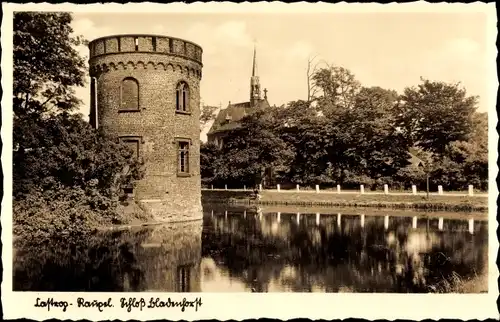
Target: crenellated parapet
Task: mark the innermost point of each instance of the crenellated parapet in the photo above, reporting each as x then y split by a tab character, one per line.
167	53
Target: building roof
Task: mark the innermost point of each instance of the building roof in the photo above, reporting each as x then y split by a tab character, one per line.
230	117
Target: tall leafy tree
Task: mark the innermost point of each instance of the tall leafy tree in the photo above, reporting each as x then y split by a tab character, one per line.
252	150
339	87
436	113
46	64
53	147
380	146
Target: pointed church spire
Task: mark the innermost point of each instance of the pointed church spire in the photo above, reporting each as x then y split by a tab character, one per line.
254	81
254	68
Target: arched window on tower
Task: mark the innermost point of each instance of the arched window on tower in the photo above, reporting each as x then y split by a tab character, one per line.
182	98
129	99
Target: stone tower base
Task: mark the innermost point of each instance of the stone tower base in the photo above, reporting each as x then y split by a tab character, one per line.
166	211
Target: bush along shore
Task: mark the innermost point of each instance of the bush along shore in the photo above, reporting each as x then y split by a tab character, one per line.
435	202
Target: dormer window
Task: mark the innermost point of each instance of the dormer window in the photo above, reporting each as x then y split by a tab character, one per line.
182	98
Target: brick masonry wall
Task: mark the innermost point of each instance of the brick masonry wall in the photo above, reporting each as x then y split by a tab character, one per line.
162	191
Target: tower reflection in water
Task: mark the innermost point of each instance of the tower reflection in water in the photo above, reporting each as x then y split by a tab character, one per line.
162	258
244	250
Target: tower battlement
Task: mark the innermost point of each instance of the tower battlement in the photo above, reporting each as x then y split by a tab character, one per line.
140	43
145	51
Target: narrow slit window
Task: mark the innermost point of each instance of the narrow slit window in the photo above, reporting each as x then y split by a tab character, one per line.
182	98
183	157
171	45
136	43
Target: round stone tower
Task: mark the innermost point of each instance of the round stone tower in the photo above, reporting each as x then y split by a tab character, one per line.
145	90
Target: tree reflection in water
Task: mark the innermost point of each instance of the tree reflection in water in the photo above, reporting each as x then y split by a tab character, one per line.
247	251
158	258
266	254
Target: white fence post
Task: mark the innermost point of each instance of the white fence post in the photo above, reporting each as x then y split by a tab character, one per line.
386	189
225	187
298	188
440	190
260	187
338	188
414	189
362	189
471	190
244	187
440	223
317	188
278	187
212	187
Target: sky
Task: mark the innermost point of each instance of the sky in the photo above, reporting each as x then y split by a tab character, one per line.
391	50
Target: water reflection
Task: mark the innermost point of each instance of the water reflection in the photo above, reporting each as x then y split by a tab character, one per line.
253	250
158	258
299	252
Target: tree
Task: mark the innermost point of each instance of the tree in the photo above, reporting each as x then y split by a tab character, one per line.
66	175
312	89
435	114
338	86
466	162
46	63
304	131
380	147
253	149
46	68
209	153
68	153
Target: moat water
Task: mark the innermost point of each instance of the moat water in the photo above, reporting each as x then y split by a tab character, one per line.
267	250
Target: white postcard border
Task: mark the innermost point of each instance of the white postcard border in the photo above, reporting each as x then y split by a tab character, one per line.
241	305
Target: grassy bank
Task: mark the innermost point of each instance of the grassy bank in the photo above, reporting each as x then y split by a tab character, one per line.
63	219
307	199
456	284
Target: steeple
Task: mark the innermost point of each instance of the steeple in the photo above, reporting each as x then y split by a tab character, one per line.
254	81
254	67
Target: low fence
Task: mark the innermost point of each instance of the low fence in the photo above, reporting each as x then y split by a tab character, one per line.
470	192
